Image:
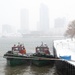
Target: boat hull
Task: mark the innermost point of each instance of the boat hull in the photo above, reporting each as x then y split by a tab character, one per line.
42	62
15	62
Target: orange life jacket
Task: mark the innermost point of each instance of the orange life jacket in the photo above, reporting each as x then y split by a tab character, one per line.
23	51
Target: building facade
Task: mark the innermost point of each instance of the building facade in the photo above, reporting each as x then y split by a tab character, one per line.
44	18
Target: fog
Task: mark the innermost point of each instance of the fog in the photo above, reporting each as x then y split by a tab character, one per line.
35	17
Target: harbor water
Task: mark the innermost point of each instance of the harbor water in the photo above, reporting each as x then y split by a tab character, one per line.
30	43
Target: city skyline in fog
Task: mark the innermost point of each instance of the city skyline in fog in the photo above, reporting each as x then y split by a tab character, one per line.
10	11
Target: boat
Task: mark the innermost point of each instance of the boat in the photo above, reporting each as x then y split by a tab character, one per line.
17	56
42	56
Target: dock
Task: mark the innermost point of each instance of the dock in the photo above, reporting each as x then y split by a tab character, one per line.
65	51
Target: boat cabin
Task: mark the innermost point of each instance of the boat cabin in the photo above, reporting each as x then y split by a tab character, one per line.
19	49
43	49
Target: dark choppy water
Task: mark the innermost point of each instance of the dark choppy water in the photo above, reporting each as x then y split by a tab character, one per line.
30	44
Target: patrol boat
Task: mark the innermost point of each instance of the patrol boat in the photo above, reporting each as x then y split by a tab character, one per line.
17	56
42	56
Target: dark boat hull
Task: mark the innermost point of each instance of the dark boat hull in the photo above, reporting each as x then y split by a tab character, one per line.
39	61
42	62
15	62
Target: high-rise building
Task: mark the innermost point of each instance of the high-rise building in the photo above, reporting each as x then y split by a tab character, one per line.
60	26
44	18
24	16
6	28
0	30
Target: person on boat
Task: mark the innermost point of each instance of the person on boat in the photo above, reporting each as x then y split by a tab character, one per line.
14	47
19	47
23	50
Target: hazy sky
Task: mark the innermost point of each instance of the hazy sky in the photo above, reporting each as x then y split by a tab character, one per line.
10	11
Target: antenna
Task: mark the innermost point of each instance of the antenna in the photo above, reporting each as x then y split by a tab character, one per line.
42	44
